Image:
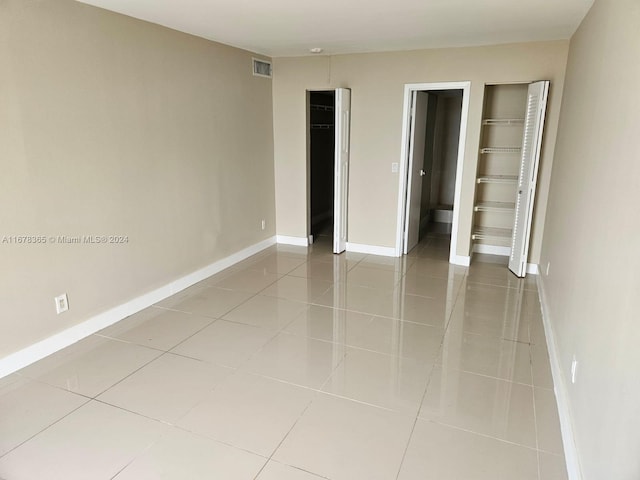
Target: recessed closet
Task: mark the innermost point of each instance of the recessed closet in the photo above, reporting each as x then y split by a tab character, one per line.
513	120
321	162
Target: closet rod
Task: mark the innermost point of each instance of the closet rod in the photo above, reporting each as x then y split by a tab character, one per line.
326	108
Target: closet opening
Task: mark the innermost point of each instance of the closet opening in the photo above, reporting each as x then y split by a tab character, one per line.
511	139
321	165
328	140
444	108
433	150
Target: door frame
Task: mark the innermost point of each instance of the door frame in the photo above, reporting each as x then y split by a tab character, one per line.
403	190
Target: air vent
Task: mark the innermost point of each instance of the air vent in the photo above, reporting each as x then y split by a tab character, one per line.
261	68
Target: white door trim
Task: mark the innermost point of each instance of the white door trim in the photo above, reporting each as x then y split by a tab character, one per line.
409	88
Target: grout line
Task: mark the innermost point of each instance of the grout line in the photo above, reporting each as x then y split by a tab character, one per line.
415	422
424	394
484	435
130	374
48	426
535	415
318	391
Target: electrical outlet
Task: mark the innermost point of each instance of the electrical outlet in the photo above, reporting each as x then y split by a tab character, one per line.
62	303
574	369
395	167
264	224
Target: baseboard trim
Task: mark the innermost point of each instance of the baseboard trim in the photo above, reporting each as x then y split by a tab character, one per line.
287	240
574	471
492	249
52	344
371	249
461	260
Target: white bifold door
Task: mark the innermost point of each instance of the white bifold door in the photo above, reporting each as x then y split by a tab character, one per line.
528	174
417	139
341	182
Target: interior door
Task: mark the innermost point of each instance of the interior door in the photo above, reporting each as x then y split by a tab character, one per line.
417	136
527	178
341	182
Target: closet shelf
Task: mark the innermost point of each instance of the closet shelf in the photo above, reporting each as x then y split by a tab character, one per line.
500	179
502	207
486	150
324	108
323	126
503	122
498	235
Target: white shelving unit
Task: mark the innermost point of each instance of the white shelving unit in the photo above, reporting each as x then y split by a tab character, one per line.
499	157
488	150
503	122
493	235
498	179
498	207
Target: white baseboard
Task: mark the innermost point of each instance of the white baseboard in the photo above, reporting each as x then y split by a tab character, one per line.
371	249
442	216
461	260
492	249
52	344
572	459
287	240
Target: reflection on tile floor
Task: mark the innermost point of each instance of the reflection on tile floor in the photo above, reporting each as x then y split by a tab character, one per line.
297	364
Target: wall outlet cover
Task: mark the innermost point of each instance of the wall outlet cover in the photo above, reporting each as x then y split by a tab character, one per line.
62	303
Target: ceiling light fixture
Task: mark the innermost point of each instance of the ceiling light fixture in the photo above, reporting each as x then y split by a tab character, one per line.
316	50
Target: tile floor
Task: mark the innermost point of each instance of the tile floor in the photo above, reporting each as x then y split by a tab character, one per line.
297	364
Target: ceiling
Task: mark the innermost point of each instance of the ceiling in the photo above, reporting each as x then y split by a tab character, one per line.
291	27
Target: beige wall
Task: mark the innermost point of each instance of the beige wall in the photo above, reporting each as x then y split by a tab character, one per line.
591	240
110	125
377	81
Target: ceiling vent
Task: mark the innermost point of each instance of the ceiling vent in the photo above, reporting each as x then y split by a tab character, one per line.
261	68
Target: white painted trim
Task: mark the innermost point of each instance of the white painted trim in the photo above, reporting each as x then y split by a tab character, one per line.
443	216
20	359
409	88
492	249
298	241
371	249
533	269
461	260
574	470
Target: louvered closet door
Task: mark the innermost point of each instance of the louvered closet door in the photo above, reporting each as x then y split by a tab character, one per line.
531	143
341	182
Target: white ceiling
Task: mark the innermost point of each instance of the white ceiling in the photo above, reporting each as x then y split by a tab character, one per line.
292	27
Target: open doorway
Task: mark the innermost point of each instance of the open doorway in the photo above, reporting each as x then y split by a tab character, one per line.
321	164
329	117
433	152
444	108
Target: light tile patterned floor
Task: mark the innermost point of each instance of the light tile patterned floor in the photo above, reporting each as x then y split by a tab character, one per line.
297	364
